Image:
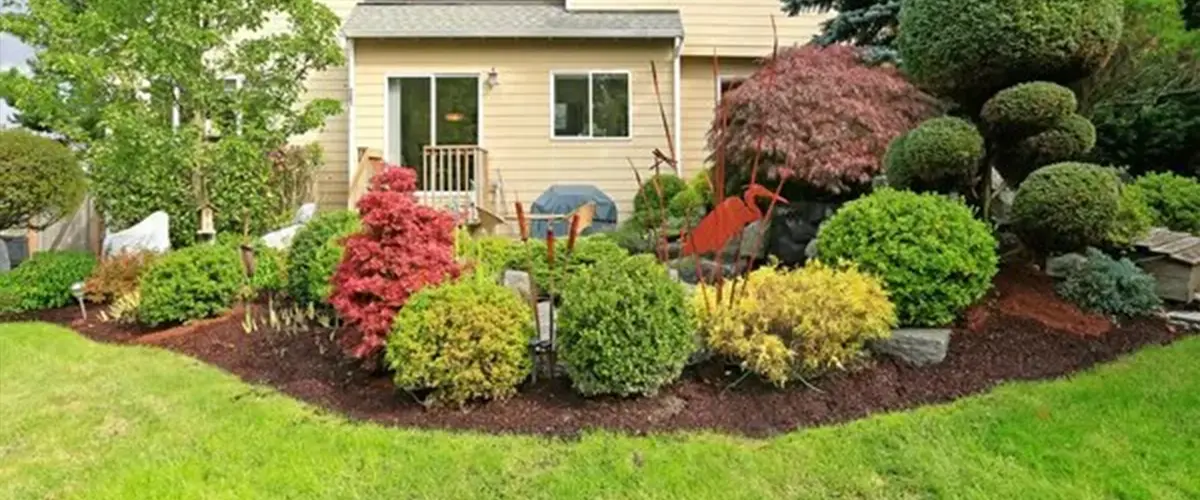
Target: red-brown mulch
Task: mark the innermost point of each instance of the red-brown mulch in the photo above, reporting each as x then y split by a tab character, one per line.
1003	343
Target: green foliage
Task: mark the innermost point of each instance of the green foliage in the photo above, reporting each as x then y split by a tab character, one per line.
1134	218
139	103
490	255
788	324
934	257
467	340
653	197
625	328
942	154
270	269
315	254
294	170
702	184
1113	287
868	23
40	180
968	51
44	280
1066	207
688	203
630	236
1071	139
1029	106
117	275
590	251
194	283
1174	201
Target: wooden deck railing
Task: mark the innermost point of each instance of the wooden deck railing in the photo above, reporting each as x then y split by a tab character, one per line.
452	178
370	162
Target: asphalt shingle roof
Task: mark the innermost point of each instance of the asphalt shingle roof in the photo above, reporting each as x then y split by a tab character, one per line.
504	19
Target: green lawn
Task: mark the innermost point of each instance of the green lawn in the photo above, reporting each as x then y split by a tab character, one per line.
79	419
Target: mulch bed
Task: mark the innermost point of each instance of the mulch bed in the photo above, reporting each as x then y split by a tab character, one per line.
1020	332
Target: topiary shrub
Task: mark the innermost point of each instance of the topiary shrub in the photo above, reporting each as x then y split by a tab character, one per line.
934	257
44	280
315	253
117	275
789	324
648	205
968	51
1174	201
40	180
1134	218
189	284
1112	287
465	340
1071	139
590	251
624	328
1029	106
942	154
402	248
687	204
1066	207
702	184
816	116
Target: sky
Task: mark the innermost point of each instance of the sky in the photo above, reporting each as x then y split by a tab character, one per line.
13	54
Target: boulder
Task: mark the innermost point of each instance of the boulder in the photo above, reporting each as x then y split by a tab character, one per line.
810	250
794	226
752	243
150	235
5	264
686	268
1060	266
915	346
1188	320
518	281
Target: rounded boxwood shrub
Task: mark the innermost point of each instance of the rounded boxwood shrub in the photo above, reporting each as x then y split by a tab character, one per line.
193	283
1134	218
789	324
590	251
1109	286
942	154
490	255
934	257
1070	139
270	269
625	328
1174	201
466	340
1066	207
44	280
688	203
968	51
648	206
1029	106
315	254
40	180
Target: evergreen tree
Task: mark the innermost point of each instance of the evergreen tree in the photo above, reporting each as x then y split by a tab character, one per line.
867	23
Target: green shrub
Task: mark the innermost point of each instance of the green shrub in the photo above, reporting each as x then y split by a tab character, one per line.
702	184
941	154
968	51
467	339
44	280
590	251
648	206
1134	218
1066	207
40	180
1029	106
1071	139
934	257
193	283
625	328
117	275
315	254
630	236
687	204
270	269
491	255
1174	201
1112	287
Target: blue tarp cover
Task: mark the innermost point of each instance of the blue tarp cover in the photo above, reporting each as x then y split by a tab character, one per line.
564	199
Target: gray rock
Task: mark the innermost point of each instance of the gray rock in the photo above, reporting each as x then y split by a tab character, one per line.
150	235
752	243
306	212
544	321
518	281
1189	320
810	250
916	346
1059	267
281	239
5	264
686	268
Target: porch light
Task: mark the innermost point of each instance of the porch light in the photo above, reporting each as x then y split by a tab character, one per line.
454	116
493	78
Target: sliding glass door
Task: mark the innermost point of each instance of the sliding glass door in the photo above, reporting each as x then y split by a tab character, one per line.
433	110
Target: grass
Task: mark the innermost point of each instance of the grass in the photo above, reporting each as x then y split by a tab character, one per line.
80	419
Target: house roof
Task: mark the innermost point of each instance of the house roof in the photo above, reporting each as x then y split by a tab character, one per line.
504	19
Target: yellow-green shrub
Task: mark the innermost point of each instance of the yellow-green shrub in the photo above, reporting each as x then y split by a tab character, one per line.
783	324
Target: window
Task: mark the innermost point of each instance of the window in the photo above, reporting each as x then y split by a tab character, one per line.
595	104
233	119
728	83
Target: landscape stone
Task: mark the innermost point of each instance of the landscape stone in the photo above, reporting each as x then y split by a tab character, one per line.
5	264
915	346
687	269
1059	267
518	281
150	235
1189	320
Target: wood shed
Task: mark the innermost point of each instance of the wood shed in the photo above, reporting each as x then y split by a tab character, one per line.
1173	258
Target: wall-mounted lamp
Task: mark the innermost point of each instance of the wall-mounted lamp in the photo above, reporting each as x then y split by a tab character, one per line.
493	78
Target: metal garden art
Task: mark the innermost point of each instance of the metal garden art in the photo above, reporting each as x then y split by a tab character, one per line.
542	350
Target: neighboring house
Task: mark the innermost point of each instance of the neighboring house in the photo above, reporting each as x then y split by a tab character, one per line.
498	100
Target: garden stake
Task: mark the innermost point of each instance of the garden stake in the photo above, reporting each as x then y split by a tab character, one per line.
523	225
550	262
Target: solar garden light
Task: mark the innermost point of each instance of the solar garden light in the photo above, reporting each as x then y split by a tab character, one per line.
77	291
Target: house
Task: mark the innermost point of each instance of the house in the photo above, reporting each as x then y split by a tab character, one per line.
495	100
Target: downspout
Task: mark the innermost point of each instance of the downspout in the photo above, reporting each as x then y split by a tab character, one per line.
351	147
677	106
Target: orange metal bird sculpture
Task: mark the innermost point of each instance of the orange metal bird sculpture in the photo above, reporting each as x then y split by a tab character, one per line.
727	220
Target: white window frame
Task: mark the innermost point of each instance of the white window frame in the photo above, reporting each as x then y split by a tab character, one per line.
591	104
239	83
721	79
433	76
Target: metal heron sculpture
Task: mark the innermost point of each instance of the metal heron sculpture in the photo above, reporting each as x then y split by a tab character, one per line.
726	220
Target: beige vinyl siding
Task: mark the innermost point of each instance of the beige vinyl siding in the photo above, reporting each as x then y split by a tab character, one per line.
516	122
698	106
731	28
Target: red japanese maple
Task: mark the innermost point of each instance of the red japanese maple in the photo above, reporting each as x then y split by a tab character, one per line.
819	115
403	247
